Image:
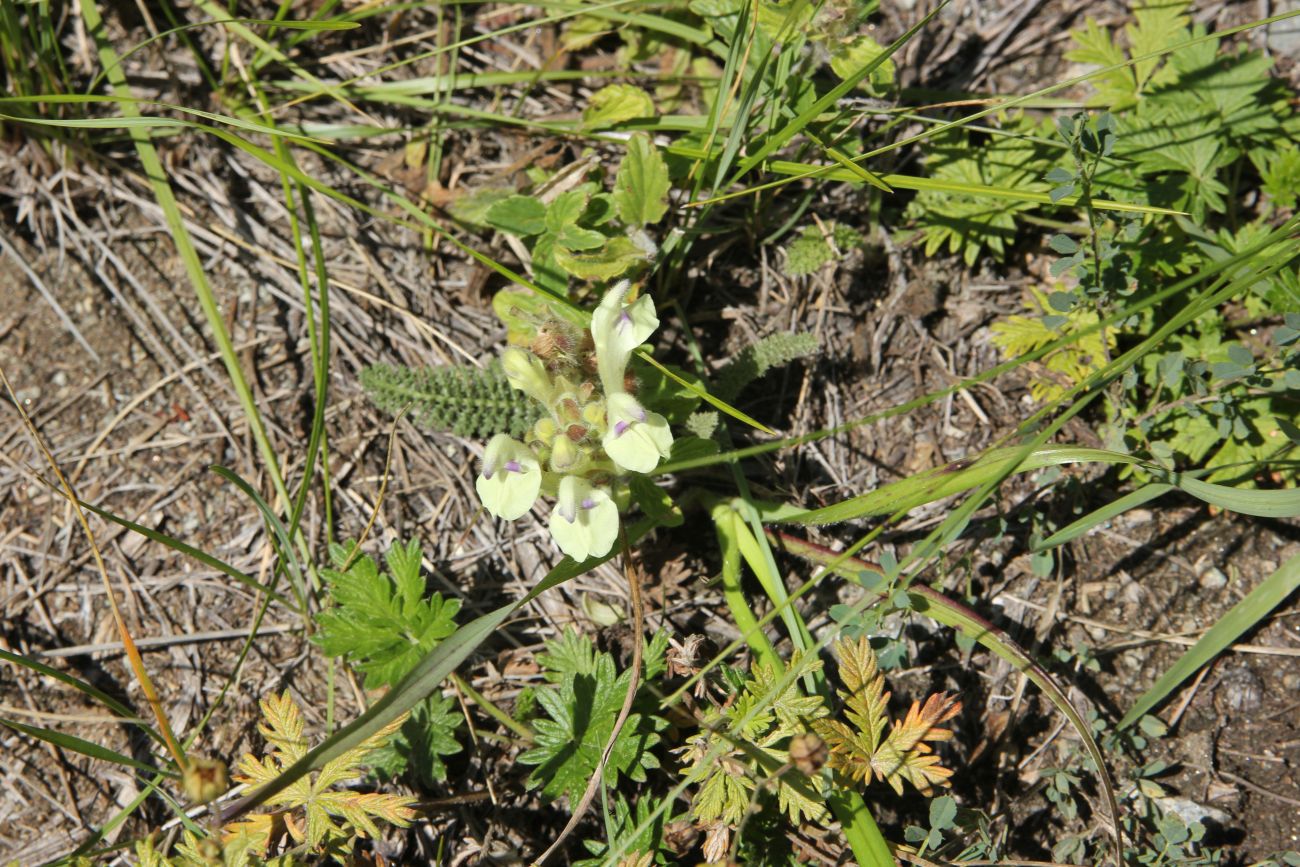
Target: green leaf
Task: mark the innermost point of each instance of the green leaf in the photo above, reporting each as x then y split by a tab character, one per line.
655	501
858	51
1261	504
1101	516
582	711
641	186
1243	616
383	624
417	685
519	215
80	745
570	654
614	259
943	811
1063	244
419	745
941	482
562	222
616	103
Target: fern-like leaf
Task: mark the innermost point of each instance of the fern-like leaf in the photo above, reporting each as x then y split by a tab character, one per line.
755	360
863	750
742	750
467	401
311	809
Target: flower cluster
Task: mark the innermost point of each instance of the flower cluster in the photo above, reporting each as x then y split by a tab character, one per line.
593	431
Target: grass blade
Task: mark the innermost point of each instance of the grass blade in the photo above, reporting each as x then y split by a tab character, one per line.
1243	616
1110	511
420	682
190	551
1261	504
81	686
933	604
277	529
65	741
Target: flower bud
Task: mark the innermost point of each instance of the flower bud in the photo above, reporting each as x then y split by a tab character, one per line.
544	430
567	410
565	455
808	753
526	373
204	779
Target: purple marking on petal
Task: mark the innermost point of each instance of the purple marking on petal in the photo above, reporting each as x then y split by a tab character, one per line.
569	515
487	474
589	503
513	466
620	427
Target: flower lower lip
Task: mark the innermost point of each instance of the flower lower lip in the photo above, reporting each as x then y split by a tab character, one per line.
620	427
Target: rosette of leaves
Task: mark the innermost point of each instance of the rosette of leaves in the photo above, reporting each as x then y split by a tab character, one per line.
581	706
742	750
384	624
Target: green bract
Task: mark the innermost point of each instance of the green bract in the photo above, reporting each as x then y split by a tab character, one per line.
593	431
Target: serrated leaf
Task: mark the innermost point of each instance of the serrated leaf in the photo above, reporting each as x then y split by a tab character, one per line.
582	711
419	745
382	624
572	653
863	750
850	56
323	816
641	186
562	218
519	215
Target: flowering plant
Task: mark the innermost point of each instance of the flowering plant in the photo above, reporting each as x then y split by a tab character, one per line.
593	430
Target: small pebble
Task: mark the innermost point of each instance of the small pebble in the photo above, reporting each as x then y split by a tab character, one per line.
1190	811
1213	579
1242	689
1137	517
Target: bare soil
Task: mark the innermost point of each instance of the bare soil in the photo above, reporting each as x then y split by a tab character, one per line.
122	379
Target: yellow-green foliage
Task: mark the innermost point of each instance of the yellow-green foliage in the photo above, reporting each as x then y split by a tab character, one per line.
739	747
1063	367
311	810
864	750
309	820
